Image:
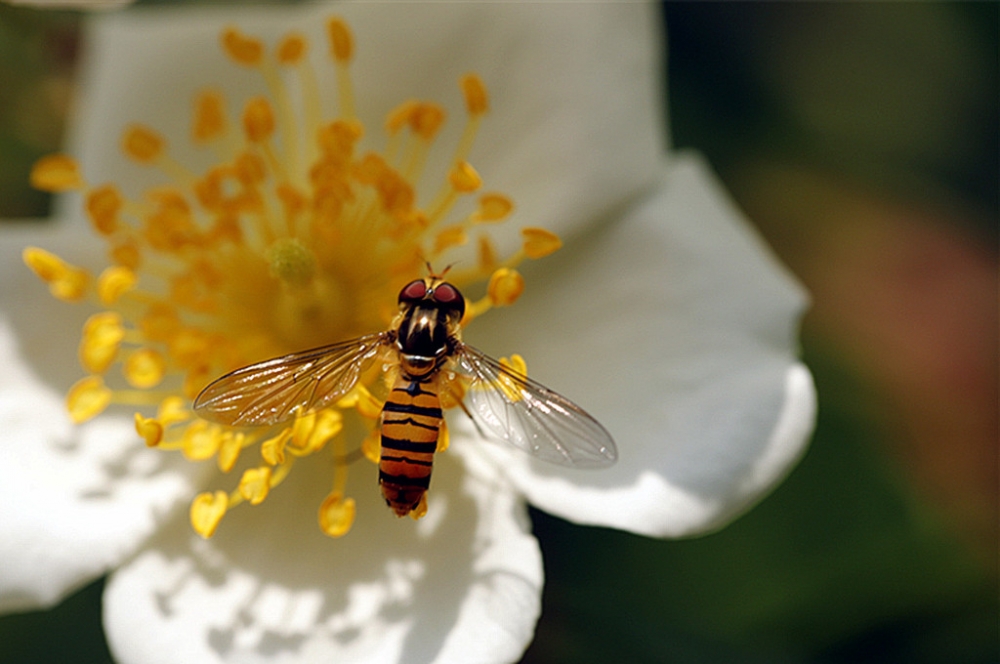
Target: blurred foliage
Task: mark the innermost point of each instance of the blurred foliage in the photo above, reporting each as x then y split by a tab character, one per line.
37	54
859	137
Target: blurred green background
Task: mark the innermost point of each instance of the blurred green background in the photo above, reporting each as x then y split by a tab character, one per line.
862	140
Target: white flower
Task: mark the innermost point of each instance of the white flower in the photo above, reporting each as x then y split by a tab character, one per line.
664	316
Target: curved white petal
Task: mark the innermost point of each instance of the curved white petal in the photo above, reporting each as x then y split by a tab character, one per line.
74	501
461	585
575	124
676	328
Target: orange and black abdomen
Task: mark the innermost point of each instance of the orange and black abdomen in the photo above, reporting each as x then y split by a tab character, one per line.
411	421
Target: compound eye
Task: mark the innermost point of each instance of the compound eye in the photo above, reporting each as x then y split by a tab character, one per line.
446	294
413	291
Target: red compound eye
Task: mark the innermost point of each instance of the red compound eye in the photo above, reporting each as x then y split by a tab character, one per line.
415	290
446	294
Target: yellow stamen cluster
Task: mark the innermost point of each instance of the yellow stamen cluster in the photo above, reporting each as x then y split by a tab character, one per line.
300	235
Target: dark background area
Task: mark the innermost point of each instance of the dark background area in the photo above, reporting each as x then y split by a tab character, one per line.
862	141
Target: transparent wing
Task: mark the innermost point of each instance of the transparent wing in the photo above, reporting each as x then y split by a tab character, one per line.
274	390
530	416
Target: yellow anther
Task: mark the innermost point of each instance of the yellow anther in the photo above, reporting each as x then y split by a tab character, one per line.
173	410
114	282
229	449
506	285
426	119
87	398
250	168
103	206
444	438
337	139
493	207
452	236
99	343
255	484
539	242
145	368
56	172
241	48
207	509
329	423
291	49
150	429
464	178
399	117
258	120
420	511
477	100
160	323
336	514
126	253
209	120
515	363
66	282
511	387
189	347
272	450
341	40
371	446
200	440
142	144
487	254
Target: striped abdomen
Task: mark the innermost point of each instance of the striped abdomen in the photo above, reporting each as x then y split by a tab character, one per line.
411	420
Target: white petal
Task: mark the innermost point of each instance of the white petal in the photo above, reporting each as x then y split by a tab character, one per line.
75	501
676	328
461	585
575	124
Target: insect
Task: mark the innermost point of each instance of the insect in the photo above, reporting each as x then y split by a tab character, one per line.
424	348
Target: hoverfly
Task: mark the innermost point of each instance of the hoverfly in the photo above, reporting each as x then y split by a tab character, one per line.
423	344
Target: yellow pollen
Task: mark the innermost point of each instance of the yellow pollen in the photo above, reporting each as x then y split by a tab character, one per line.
420	511
477	101
255	484
99	343
66	282
291	49
103	206
142	144
150	429
505	287
341	41
145	368
87	399
242	49
200	440
55	173
258	120
486	255
493	207
172	410
229	450
539	242
371	446
207	509
426	119
114	282
336	515
272	450
209	117
464	178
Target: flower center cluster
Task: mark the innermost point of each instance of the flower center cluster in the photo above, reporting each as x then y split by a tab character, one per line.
295	237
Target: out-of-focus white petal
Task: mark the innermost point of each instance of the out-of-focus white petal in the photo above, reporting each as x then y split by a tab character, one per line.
74	501
575	124
675	327
461	585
